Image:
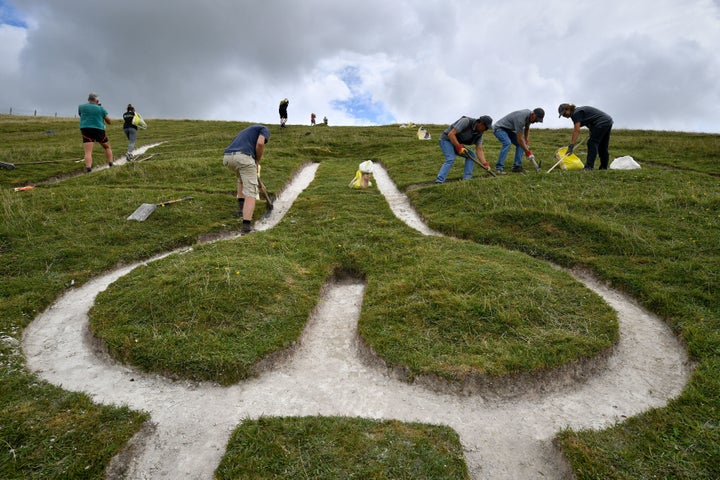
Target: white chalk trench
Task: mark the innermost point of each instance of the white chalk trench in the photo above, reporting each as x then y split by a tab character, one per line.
504	439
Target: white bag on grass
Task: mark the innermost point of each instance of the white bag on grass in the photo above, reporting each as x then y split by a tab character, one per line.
624	163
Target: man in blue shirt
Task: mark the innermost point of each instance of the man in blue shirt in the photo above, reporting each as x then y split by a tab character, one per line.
465	131
600	125
242	157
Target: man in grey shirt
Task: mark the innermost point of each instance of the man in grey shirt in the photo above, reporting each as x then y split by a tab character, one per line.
513	129
465	131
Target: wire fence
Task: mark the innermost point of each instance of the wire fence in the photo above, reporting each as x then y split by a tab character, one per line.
35	113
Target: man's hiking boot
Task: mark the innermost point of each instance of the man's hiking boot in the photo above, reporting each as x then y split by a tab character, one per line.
518	170
500	172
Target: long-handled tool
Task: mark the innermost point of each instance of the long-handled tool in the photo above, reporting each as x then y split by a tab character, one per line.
264	191
144	210
567	154
11	166
471	156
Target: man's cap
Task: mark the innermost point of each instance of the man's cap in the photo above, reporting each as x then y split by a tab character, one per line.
486	120
561	109
539	114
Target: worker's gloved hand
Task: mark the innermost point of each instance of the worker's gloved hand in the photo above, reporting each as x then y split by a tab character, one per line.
570	148
529	154
461	150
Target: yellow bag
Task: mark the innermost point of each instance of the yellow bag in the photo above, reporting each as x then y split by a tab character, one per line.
138	121
571	162
355	182
361	180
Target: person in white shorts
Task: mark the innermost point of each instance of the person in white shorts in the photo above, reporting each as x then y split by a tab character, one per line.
242	157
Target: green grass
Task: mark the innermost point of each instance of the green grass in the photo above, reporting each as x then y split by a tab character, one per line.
431	309
484	303
341	448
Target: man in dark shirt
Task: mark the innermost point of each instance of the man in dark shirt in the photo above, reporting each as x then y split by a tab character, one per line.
600	125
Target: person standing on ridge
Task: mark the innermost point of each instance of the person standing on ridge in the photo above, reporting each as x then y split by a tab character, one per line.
242	157
93	118
513	129
600	125
283	111
465	131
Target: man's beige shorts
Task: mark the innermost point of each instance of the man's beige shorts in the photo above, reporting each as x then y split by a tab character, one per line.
245	169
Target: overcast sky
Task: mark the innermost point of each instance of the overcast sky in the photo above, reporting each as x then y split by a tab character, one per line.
650	64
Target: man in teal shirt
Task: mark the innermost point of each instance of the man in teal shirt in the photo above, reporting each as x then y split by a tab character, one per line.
93	118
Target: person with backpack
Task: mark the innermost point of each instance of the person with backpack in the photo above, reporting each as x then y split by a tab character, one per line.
465	131
513	129
600	125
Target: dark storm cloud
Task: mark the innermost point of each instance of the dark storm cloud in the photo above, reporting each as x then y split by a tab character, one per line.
646	62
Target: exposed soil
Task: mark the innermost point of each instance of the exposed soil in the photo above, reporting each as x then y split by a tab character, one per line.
504	437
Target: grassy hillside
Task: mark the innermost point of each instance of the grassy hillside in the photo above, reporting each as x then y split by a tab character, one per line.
652	233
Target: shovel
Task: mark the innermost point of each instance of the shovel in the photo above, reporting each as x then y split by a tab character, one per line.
144	210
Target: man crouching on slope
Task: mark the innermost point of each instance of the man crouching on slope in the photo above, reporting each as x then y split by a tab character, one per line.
242	157
465	131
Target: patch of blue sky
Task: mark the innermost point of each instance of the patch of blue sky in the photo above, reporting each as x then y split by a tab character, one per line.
361	104
9	15
362	107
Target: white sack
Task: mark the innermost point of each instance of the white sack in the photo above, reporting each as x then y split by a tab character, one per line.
624	163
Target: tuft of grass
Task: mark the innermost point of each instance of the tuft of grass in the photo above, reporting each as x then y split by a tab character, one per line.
339	447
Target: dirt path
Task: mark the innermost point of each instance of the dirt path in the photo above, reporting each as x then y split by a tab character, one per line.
503	439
